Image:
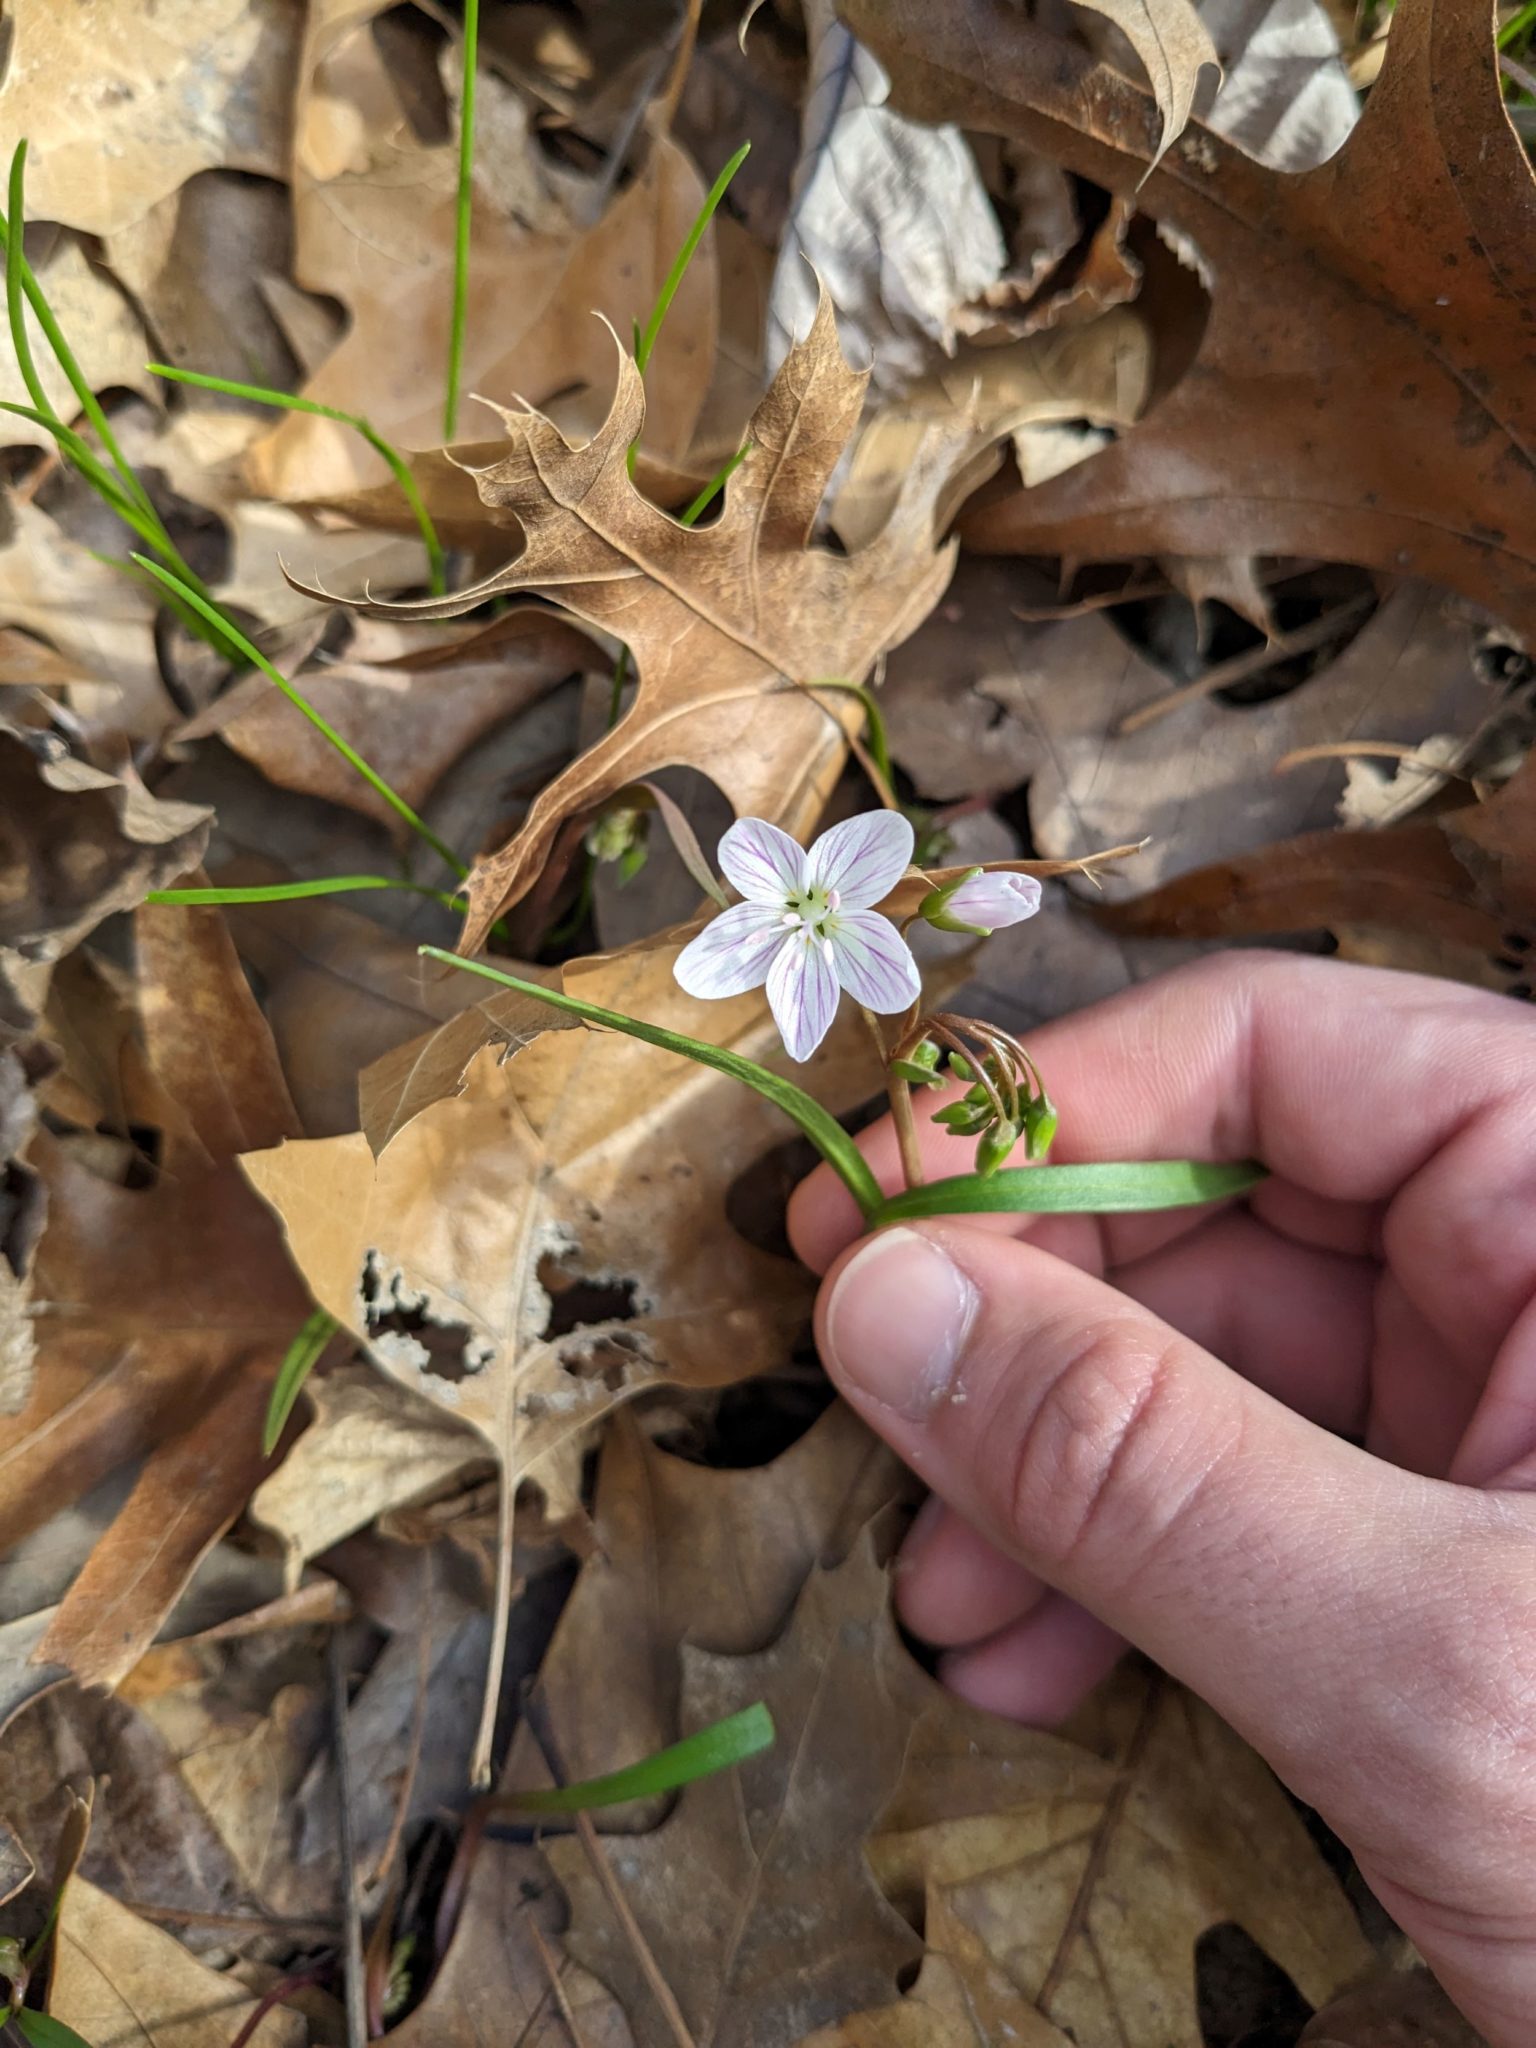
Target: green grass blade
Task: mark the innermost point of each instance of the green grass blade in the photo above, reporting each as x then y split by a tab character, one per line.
26	282
699	1755
42	2030
684	257
463	202
715	486
300	1360
290	401
646	341
95	472
1516	26
1105	1188
347	751
818	1124
292	892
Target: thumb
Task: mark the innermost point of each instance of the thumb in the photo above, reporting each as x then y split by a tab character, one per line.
1299	1584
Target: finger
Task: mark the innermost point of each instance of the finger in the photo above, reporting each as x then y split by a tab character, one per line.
953	1586
1345	1080
1039	1669
1296	1321
1255	1556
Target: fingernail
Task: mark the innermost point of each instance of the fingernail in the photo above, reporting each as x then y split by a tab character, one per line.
898	1316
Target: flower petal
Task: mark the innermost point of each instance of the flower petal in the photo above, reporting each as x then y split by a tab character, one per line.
863	858
874	962
762	863
802	993
994	900
733	952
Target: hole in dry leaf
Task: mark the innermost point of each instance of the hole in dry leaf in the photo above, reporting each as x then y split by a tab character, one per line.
408	44
579	1299
403	1329
1245	1999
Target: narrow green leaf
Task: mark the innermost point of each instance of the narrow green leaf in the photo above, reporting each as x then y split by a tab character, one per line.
463	201
818	1124
699	1755
645	339
874	725
291	892
290	401
44	2031
715	486
302	1356
347	751
1105	1188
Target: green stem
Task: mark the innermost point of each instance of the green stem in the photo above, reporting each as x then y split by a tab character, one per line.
290	402
818	1124
1105	1188
699	1755
1517	25
296	697
300	1360
874	722
19	279
293	892
715	486
645	343
462	205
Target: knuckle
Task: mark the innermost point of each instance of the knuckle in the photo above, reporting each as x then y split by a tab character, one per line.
1085	1437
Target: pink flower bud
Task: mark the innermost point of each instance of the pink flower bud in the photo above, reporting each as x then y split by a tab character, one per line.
983	902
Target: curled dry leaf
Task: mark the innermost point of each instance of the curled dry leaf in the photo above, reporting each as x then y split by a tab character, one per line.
886	215
1175	46
1091	1900
122	1983
121	107
78	845
552	1240
1389	288
1392	2009
163	1312
1453	894
726	623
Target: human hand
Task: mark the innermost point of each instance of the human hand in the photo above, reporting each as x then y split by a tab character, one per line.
1366	1617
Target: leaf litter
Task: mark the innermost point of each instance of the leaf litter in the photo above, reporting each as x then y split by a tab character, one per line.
1139	423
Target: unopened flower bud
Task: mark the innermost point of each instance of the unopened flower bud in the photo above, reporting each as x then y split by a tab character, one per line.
993	1148
981	902
620	835
1040	1121
919	1067
963	1118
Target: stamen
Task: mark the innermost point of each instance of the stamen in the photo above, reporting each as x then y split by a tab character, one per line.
826	950
790	920
834	899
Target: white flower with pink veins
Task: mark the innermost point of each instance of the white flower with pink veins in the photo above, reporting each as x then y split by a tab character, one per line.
806	926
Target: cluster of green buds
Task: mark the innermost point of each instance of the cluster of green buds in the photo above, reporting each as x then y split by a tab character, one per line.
1004	1100
621	833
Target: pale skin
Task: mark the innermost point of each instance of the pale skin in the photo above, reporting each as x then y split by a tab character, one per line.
1288	1448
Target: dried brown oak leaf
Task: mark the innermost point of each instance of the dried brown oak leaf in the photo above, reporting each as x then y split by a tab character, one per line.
551	1239
726	623
1363	388
1453	894
162	1312
1090	1895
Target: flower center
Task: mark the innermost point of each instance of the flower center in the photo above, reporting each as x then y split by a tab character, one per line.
814	911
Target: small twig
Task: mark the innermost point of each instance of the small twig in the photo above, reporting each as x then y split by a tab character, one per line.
1387	750
1526	80
650	1969
352	1921
1302	641
1096	601
391	1847
557	1989
275	1994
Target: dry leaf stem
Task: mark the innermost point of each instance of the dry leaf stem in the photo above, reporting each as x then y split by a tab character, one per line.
1241	666
650	1969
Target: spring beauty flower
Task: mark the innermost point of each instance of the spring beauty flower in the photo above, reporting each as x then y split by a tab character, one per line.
806	927
982	903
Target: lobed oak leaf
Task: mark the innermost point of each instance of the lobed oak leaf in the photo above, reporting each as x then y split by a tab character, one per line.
731	624
1362	388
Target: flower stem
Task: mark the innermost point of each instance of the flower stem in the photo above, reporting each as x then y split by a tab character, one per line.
901	1106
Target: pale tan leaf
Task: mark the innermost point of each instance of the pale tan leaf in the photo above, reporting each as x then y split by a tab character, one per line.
122	1983
1174	46
121	105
